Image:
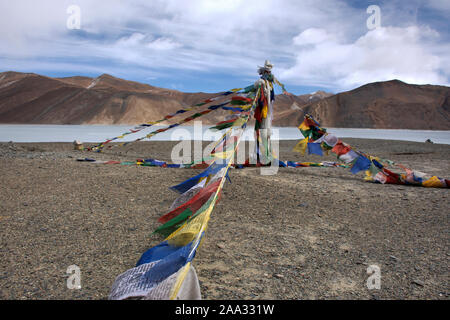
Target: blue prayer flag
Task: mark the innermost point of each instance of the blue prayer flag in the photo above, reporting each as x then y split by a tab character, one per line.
362	163
315	148
189	183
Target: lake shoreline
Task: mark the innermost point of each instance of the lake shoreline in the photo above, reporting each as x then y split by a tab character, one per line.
99	133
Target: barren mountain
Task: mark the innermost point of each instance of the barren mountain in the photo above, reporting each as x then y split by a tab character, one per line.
32	98
36	99
389	105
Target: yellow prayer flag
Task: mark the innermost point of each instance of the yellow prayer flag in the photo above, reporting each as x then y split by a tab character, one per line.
224	155
433	182
368	176
301	146
303	126
188	231
182	275
264	111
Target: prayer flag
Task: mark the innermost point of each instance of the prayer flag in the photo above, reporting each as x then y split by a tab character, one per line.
315	148
362	163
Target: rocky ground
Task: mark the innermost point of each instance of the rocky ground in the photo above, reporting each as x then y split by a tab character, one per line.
304	233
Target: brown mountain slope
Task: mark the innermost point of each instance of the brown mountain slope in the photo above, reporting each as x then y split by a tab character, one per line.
31	98
390	105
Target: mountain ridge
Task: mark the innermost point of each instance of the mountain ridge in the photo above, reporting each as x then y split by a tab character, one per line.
36	99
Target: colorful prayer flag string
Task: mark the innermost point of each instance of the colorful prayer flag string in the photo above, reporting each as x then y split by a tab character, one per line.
317	140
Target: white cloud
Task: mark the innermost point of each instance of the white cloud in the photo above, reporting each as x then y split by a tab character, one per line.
312	36
313	43
163	44
132	41
409	54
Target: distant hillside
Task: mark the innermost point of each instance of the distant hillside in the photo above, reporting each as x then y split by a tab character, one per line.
389	105
32	98
35	99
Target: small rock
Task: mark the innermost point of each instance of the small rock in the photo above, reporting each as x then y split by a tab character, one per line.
221	246
393	258
418	282
279	276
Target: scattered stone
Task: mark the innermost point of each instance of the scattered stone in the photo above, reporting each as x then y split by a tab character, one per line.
221	246
393	258
279	276
418	282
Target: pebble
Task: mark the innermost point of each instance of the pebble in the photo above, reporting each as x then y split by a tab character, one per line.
418	282
393	258
279	276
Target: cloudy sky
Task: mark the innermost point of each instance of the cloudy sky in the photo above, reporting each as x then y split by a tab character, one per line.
215	45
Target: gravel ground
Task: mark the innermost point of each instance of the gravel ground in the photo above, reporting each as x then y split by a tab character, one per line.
305	233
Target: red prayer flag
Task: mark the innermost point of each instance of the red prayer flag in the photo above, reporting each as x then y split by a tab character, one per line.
194	203
340	148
